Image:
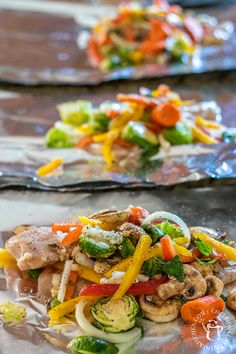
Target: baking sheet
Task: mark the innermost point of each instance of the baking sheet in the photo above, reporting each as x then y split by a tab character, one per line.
202	206
39	46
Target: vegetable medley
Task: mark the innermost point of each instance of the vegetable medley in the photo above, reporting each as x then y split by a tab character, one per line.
107	270
142	123
158	33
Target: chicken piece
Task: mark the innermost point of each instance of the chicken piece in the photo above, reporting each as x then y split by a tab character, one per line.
34	248
227	275
231	299
101	266
214	285
169	289
204	270
45	284
166	312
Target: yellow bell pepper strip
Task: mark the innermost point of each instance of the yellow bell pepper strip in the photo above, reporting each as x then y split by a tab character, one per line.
98	138
49	167
201	136
86	221
6	258
229	252
200	121
107	146
181	240
123	265
89	274
60	321
138	259
67	307
86	129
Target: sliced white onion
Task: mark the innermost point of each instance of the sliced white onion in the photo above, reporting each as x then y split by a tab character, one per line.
64	280
169	216
122	337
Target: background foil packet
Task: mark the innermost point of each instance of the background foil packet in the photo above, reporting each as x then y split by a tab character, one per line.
201	206
40	45
21	156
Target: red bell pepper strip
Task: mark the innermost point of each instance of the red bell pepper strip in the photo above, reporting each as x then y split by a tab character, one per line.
142	288
137	215
84	142
72	236
64	226
167	248
220	256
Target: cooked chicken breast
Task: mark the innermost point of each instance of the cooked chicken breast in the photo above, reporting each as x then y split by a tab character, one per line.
34	248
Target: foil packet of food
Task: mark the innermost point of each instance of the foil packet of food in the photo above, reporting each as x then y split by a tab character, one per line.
22	156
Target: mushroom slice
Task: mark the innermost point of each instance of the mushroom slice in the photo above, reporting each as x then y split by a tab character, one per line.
227	275
195	285
111	216
231	299
214	285
169	289
167	312
204	270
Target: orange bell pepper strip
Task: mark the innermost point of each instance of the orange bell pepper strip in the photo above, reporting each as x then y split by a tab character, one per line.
64	226
166	114
167	248
71	283
203	309
84	142
135	98
93	51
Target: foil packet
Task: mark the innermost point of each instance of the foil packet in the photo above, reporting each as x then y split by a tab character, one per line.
202	206
21	157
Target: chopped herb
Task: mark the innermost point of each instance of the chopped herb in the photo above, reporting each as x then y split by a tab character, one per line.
223	297
226	242
204	248
34	273
175	268
207	262
157	265
169	229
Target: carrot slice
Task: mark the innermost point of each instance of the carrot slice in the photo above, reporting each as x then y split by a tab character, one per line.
166	114
71	283
202	310
167	248
84	142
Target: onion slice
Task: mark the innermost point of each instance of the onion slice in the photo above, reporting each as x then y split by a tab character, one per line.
169	216
64	280
87	327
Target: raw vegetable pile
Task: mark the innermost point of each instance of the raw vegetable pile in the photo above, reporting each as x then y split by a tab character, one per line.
153	34
113	267
141	122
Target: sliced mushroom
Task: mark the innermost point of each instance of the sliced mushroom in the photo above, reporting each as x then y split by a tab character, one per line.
195	285
115	217
227	275
204	270
169	289
167	312
131	230
231	299
214	285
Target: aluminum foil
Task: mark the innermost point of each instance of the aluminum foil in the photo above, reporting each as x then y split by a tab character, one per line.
202	206
21	156
59	59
